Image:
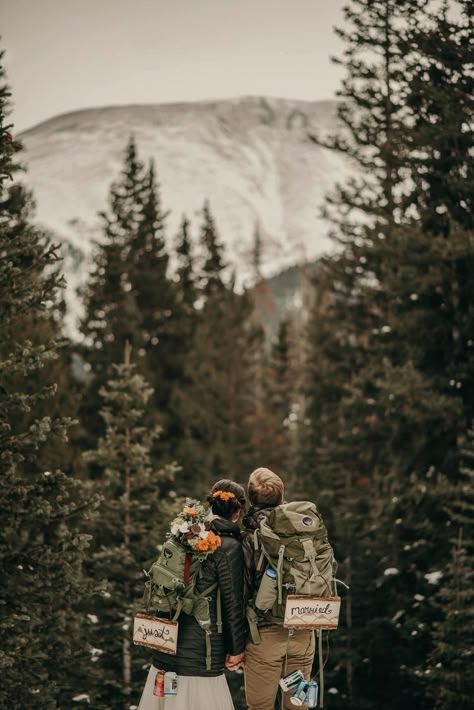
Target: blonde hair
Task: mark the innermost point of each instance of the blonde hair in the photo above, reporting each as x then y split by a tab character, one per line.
264	486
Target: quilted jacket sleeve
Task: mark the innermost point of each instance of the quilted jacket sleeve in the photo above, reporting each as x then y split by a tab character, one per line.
230	576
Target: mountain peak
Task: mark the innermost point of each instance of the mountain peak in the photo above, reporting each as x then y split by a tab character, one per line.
250	157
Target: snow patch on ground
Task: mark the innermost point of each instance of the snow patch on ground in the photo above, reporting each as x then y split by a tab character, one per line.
433	577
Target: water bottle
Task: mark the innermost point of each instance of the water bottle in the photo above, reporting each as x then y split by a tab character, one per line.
171	683
312	694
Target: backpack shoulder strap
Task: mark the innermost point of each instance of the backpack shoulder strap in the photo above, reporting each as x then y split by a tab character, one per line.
259	552
281	555
219	610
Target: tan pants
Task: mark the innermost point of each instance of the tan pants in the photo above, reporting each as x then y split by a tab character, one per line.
280	652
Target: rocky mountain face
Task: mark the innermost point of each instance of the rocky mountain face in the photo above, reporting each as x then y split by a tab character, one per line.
251	158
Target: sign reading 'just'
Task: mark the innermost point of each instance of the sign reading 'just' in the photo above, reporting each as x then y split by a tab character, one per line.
311	612
156	633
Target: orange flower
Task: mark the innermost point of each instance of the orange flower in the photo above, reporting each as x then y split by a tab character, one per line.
214	540
223	495
202	545
190	511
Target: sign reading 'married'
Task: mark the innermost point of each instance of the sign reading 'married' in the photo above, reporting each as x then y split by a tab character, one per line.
157	633
312	612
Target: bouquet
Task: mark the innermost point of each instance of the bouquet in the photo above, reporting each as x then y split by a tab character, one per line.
191	528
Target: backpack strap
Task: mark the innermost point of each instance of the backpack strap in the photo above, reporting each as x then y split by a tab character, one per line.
147	596
219	610
208	650
281	555
252	622
310	555
206	593
257	546
179	608
206	625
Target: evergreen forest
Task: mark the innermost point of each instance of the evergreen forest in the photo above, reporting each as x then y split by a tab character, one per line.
361	397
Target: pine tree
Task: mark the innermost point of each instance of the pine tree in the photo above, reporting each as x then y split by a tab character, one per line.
186	320
132	523
155	294
439	101
390	361
276	421
214	265
373	118
268	438
218	404
111	311
448	674
131	297
371	111
46	327
8	145
42	547
216	401
186	268
441	139
111	307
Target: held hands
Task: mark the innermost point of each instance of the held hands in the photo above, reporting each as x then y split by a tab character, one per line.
233	663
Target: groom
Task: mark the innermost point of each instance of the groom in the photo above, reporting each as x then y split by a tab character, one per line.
280	651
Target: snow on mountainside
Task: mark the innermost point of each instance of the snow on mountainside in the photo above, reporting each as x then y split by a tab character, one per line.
250	157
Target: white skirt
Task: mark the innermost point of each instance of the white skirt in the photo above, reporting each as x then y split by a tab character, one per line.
194	693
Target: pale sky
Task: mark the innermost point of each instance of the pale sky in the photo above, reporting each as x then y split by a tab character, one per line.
63	55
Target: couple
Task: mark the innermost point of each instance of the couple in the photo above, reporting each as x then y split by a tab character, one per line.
233	567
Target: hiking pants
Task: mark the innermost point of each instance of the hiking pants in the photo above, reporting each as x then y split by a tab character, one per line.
280	651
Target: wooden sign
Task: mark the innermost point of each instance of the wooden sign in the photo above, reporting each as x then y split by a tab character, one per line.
304	612
161	634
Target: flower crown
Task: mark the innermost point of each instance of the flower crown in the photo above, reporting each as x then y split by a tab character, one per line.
223	495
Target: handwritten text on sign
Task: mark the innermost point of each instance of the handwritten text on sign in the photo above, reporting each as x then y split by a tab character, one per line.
156	633
312	612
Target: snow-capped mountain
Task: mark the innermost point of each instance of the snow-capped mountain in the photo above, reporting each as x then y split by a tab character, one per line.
250	157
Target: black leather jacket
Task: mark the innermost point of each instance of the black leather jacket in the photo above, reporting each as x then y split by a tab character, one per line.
226	567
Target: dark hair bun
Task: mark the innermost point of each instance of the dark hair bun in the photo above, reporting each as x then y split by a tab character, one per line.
226	498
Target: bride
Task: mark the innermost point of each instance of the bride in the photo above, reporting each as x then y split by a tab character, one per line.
200	688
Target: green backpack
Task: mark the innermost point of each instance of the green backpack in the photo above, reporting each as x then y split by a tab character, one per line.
293	551
171	589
